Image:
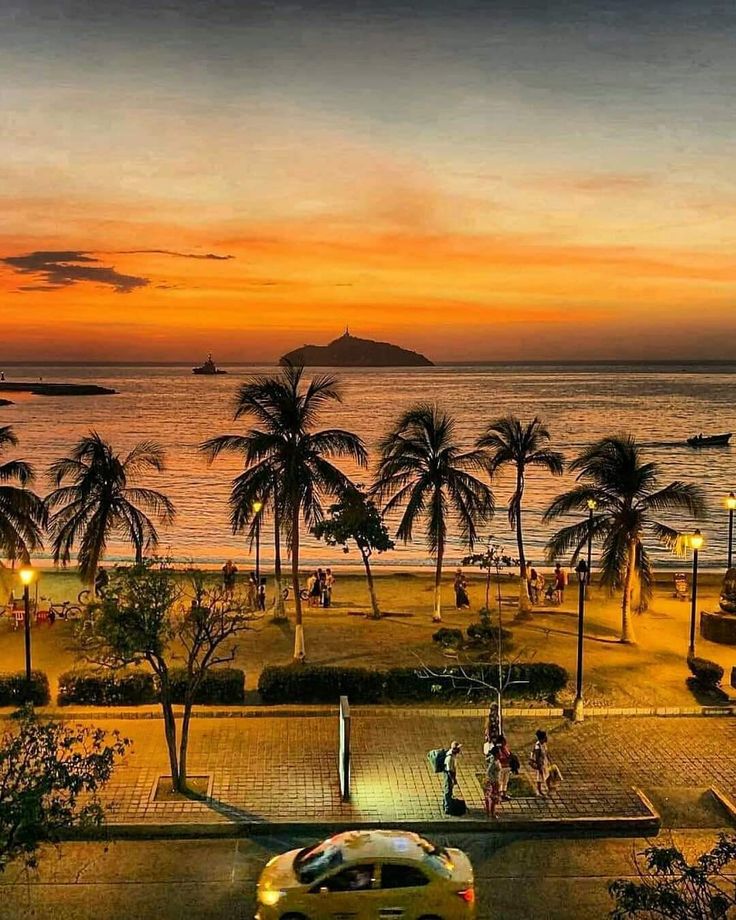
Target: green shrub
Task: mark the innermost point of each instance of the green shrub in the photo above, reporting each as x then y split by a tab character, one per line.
448	637
13	689
315	684
707	673
487	634
220	686
106	688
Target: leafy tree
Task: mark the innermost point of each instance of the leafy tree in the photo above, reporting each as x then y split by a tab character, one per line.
355	518
512	443
494	559
285	457
22	512
612	473
673	888
50	775
423	469
97	498
150	617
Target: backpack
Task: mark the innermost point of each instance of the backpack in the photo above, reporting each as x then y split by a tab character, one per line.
436	759
514	764
456	808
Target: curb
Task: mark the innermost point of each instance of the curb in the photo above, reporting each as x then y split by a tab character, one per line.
726	803
610	826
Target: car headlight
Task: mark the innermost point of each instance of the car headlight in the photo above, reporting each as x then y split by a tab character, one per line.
270	897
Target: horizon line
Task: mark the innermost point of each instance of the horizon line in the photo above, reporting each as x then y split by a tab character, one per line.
576	362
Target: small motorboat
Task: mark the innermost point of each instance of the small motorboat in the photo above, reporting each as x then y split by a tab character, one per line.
712	440
208	369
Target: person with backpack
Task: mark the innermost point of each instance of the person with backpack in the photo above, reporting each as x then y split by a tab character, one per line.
505	758
450	775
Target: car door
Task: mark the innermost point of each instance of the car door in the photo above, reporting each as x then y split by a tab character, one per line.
403	888
349	894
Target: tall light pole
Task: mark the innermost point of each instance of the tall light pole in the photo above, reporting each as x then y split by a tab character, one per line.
583	573
696	541
257	508
592	505
731	505
26	577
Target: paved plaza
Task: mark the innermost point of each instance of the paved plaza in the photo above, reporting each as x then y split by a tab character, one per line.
283	769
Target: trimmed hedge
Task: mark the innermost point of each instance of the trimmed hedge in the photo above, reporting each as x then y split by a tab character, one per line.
13	688
707	673
223	686
314	684
106	688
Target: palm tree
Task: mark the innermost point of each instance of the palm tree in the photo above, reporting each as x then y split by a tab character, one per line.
510	442
423	469
22	512
96	498
286	461
627	495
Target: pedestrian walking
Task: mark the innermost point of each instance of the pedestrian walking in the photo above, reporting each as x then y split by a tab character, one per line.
462	601
539	761
560	577
262	594
493	782
533	581
450	775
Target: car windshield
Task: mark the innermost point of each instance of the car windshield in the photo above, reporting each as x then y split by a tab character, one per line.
312	862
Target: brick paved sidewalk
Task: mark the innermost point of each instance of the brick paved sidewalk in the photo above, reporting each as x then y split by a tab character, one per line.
284	769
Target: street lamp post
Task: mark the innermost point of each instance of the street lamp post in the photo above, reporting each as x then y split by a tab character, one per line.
731	505
26	577
696	542
582	570
592	505
257	507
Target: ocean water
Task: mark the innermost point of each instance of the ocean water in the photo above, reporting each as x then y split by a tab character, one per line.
661	406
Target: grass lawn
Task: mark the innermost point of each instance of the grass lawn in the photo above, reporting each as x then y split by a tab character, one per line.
651	673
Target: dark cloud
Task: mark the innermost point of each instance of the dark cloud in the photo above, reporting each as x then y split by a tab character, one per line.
179	255
65	268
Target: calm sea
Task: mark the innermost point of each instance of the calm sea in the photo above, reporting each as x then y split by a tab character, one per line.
661	406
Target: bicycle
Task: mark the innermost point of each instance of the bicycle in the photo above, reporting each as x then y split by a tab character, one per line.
303	594
63	610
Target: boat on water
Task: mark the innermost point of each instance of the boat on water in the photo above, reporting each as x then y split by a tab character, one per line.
208	369
713	440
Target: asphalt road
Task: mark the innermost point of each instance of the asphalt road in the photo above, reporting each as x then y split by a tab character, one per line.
516	878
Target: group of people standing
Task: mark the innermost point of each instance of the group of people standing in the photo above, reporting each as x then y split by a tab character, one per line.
256	586
319	588
554	592
501	764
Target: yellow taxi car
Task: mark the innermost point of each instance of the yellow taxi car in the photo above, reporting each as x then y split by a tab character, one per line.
368	875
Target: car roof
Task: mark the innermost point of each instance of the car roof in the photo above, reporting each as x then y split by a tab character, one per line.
381	844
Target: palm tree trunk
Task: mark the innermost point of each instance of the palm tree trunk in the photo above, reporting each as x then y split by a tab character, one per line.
437	612
371	586
279	612
627	627
525	604
299	649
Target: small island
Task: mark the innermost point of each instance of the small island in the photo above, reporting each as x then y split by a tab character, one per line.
55	389
351	351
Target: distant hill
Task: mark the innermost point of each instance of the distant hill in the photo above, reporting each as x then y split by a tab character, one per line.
350	351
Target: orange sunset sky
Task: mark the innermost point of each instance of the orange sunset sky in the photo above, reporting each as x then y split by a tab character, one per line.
474	180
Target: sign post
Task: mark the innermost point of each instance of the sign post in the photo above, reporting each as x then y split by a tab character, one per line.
344	749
